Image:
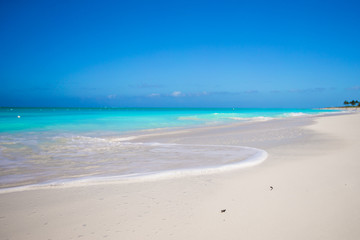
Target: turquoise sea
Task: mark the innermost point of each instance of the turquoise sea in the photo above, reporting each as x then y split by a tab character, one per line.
47	145
104	120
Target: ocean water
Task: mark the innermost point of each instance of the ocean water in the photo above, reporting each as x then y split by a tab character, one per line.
54	145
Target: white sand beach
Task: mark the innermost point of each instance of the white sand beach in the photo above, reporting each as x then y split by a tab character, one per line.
307	188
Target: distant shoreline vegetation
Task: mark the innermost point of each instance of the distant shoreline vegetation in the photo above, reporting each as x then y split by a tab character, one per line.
353	103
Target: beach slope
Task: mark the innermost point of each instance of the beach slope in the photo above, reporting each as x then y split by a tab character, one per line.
308	188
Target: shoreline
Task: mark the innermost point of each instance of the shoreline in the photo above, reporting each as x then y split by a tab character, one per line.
342	108
253	160
166	136
308	188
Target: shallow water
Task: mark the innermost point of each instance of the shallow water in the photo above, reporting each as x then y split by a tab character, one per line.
49	145
65	158
102	120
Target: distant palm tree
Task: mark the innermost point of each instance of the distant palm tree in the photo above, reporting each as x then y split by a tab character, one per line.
353	102
346	103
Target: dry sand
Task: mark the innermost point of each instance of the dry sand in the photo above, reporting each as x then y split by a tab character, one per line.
313	168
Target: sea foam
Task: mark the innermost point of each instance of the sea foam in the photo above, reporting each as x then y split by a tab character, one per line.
84	159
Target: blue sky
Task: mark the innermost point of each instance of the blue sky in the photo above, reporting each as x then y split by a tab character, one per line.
179	53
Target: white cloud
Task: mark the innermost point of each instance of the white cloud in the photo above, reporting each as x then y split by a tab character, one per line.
355	88
198	94
308	90
176	94
154	95
179	94
111	96
251	91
